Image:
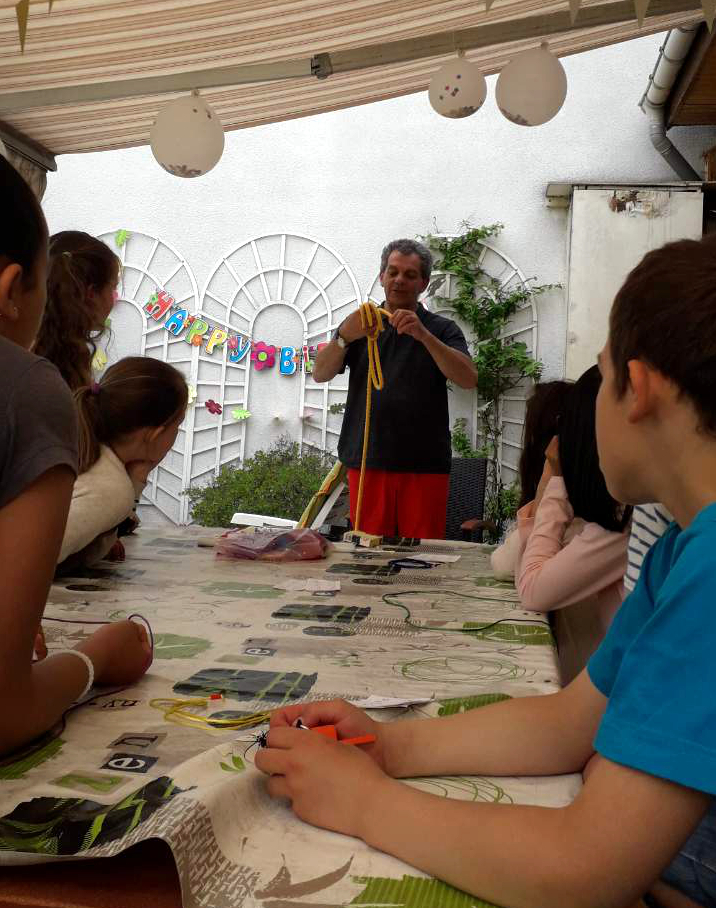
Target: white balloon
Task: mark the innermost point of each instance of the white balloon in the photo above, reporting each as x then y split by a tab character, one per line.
457	89
532	87
187	137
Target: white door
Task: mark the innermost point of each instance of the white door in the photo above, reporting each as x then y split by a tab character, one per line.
610	231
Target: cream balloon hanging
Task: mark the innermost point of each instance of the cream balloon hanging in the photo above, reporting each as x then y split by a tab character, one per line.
458	89
532	87
187	137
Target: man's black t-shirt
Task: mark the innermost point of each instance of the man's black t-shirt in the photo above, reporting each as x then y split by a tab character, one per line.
409	423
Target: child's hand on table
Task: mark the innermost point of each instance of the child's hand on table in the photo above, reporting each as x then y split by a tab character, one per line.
120	652
329	785
350	722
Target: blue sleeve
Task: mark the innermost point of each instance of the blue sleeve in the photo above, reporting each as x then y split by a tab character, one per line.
660	675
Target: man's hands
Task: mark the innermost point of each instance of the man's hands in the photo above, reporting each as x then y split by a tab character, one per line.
351	328
405	321
120	652
330	785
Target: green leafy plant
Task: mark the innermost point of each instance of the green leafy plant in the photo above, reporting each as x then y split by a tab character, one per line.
278	482
486	306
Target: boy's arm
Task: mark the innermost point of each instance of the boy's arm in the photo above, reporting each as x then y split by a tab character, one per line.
602	851
526	736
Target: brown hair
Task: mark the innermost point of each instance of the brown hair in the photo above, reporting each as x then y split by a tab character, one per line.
665	315
138	392
544	410
69	329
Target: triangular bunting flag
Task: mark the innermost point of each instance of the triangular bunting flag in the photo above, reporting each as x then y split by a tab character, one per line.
49	5
709	8
488	4
640	7
21	10
574	9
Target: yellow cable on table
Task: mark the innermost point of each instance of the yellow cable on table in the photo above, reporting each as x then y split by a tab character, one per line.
177	711
371	319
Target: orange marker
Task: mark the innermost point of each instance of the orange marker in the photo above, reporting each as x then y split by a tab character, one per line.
329	731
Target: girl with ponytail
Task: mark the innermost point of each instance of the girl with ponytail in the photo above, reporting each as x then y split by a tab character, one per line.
127	424
81	291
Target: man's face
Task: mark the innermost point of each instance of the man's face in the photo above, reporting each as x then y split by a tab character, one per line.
402	281
615	434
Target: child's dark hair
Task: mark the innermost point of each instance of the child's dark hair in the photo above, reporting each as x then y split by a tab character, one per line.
23	231
665	315
138	392
78	262
584	480
542	416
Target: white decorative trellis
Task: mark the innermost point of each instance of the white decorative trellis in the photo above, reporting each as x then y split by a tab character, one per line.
149	263
522	327
278	287
281	285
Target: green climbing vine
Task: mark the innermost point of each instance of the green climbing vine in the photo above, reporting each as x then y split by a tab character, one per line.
482	303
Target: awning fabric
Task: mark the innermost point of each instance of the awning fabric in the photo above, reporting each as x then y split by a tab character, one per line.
80	42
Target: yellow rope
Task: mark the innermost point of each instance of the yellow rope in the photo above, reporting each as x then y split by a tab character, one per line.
371	319
177	711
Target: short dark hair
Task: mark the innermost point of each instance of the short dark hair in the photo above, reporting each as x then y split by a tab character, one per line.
542	417
665	315
578	457
23	230
409	247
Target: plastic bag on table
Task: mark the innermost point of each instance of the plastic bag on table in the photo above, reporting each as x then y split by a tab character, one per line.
273	545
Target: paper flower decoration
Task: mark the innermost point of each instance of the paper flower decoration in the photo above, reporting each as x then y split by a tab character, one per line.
99	360
191	395
239	413
263	356
213	407
121	237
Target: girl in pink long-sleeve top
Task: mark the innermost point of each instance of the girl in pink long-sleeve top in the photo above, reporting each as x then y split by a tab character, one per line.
573	537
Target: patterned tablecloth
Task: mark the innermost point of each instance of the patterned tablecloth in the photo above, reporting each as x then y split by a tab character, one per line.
117	771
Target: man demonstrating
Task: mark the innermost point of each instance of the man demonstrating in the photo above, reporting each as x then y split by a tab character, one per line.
408	465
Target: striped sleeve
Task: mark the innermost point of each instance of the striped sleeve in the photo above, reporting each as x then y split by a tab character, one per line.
648	524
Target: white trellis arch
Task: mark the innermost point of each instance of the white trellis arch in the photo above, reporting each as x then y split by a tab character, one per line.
522	327
148	265
282	287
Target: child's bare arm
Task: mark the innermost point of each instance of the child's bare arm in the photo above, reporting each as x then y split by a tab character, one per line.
602	851
544	735
35	696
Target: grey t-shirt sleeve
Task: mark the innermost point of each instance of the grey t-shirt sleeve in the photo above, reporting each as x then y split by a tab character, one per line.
38	427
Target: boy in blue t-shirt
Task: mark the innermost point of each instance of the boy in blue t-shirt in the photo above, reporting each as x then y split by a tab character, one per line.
646	703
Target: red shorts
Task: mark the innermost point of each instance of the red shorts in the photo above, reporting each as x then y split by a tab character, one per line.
401	504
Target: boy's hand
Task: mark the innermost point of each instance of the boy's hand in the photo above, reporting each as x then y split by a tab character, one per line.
120	652
350	722
331	785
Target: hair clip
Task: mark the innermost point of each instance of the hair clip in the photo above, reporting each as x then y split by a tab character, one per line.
94	387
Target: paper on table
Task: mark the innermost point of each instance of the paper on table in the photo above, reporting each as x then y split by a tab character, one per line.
312	584
374	702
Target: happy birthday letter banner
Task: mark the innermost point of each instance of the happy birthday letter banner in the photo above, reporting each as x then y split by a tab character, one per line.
199	333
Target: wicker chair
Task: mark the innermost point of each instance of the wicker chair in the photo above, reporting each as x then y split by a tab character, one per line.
466	499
